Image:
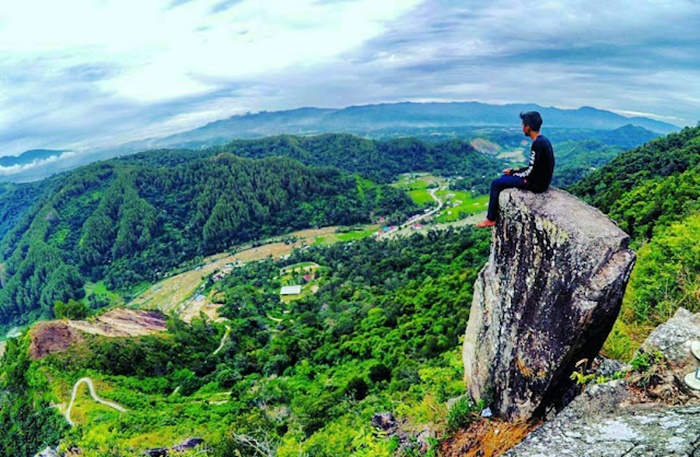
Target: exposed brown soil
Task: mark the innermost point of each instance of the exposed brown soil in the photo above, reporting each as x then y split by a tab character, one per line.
486	438
57	336
123	322
50	337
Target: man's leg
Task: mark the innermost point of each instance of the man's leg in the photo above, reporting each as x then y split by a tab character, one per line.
497	185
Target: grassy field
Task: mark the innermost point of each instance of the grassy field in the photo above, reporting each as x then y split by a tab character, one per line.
417	185
100	289
332	238
460	204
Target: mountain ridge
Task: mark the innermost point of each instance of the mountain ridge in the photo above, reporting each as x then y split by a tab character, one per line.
30	156
378	121
448	114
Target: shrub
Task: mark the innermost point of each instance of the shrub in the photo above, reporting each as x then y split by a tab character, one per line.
462	413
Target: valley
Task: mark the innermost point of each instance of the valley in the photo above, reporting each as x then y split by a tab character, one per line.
372	322
179	294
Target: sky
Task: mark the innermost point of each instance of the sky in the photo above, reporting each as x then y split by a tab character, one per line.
81	74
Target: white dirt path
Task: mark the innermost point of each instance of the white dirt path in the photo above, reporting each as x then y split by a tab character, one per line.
91	386
223	340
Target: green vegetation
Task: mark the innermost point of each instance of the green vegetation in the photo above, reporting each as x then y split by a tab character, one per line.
577	159
71	310
459	201
381	334
460	204
355	235
463	413
27	421
126	222
377	325
380	161
653	193
16	200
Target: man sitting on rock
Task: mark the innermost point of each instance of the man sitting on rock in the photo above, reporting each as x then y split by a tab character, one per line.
535	177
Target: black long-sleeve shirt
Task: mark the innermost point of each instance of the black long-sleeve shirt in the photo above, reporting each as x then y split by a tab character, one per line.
538	173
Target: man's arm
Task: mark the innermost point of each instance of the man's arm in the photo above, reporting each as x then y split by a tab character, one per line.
525	171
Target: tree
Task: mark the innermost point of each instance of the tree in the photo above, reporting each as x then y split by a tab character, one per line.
71	310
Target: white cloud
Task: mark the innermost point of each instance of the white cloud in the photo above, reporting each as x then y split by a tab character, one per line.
81	73
164	53
14	169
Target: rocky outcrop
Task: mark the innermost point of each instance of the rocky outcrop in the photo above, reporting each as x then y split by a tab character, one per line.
601	423
651	413
546	299
187	445
673	339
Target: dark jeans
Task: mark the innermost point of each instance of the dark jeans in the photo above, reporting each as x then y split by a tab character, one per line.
497	185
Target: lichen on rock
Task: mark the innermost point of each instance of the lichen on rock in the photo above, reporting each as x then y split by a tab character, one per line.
546	299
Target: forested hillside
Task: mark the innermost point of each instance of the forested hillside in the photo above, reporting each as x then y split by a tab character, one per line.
377	329
653	193
16	200
127	221
380	161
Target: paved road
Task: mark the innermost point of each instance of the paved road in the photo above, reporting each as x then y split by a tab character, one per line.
88	381
416	219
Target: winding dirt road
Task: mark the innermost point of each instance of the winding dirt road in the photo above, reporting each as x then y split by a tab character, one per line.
223	340
91	386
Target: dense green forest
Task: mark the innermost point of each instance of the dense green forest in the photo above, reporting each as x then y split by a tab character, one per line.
16	200
380	161
653	193
128	221
377	329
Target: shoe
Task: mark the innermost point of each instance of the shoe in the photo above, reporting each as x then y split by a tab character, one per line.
692	380
695	349
486	223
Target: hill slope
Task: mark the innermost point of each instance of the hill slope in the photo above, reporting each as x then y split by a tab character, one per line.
126	221
653	192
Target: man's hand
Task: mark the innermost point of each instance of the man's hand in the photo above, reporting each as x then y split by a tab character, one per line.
508	171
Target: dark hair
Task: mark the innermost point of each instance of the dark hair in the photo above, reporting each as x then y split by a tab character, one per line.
532	119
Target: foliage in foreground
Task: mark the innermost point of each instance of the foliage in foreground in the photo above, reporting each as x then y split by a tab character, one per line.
381	333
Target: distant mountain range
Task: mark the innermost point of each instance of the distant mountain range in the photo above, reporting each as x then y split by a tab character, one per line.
29	157
378	121
383	121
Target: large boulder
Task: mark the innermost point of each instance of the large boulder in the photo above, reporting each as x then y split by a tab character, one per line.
546	299
673	338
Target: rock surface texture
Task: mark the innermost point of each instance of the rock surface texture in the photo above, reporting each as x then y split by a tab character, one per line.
619	418
546	299
600	424
673	339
